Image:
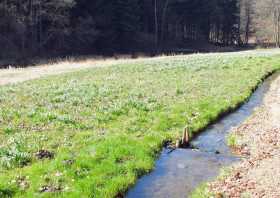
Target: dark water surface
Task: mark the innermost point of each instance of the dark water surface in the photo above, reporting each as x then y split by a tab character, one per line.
178	173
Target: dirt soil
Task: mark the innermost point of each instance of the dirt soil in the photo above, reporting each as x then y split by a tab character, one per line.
258	174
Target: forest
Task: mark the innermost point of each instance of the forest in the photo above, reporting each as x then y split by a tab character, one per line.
53	28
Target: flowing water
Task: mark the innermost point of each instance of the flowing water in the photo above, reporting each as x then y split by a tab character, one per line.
179	172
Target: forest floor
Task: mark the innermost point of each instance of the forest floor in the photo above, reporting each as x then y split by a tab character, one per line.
258	140
94	131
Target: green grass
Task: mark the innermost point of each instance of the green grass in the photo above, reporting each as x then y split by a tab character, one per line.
106	126
202	192
232	140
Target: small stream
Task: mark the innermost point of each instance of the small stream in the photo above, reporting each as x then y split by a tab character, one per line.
179	172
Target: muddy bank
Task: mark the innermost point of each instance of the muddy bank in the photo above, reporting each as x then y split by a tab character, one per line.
258	174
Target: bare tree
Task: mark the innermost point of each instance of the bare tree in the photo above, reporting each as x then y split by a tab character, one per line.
267	21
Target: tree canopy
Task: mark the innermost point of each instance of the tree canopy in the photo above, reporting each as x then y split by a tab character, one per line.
60	27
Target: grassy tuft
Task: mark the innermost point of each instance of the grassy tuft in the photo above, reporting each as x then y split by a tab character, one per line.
232	140
202	192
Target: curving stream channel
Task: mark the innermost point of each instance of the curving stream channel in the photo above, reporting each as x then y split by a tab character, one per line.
179	172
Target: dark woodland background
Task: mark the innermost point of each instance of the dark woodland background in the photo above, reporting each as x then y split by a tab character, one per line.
57	28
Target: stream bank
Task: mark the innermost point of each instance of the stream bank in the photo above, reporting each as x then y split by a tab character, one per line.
178	173
258	140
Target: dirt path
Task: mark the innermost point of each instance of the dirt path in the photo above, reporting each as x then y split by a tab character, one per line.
16	75
258	175
10	76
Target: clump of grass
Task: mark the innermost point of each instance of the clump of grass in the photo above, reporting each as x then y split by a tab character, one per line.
6	192
107	125
232	140
14	153
202	192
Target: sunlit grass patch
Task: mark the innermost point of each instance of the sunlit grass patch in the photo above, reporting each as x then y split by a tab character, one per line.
202	192
93	133
232	140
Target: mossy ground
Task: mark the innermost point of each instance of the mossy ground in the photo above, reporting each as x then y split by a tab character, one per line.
106	126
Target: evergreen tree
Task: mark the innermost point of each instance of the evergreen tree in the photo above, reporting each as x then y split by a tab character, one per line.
55	27
126	23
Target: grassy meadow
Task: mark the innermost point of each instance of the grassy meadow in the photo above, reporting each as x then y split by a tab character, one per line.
92	133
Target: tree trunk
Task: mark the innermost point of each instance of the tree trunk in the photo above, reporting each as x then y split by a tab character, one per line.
163	21
156	25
